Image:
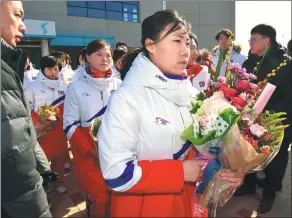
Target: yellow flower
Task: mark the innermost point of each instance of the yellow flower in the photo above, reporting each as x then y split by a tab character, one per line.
265	81
285	64
273	74
278	68
269	75
273	71
255	68
281	65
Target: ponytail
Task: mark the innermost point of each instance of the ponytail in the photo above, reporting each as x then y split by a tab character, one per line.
128	61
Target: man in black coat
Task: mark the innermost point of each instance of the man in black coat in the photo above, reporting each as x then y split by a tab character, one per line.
263	39
24	166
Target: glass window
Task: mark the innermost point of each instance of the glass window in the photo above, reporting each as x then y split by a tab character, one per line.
76	11
97	5
130	8
113	10
96	13
114	6
77	3
131	2
112	15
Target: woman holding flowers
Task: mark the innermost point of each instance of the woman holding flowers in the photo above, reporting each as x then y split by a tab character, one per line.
142	157
86	100
46	96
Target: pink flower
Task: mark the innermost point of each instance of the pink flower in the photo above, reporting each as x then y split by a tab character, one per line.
221	79
257	130
215	84
252	76
203	120
253	86
247	117
243	96
242	85
245	75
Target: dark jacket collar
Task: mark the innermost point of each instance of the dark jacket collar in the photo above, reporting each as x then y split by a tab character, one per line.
15	58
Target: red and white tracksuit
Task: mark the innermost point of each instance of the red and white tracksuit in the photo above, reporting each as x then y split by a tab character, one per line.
87	99
140	147
54	143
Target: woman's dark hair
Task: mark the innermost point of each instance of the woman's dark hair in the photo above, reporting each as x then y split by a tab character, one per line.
49	61
121	43
118	53
62	56
226	32
95	46
266	31
83	55
152	27
194	37
289	48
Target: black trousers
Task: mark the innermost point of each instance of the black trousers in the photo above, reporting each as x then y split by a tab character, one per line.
275	171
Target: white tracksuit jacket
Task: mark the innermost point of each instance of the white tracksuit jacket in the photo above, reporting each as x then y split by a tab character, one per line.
144	120
235	57
86	99
200	81
29	76
45	91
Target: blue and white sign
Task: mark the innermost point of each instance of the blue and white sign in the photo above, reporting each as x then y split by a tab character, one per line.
39	29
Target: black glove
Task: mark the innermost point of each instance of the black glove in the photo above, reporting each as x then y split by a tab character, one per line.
49	177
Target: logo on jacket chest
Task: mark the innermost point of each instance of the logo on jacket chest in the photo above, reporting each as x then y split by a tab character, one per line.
202	84
160	121
61	93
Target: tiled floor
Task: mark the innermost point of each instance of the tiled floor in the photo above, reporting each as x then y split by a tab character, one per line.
72	204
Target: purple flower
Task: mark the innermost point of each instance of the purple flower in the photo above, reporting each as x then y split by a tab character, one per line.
245	76
247	117
215	84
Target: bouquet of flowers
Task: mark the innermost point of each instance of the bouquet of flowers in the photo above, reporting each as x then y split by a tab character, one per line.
48	113
231	131
94	128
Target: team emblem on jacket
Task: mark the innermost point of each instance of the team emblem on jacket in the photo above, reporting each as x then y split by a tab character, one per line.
202	83
61	92
85	94
159	121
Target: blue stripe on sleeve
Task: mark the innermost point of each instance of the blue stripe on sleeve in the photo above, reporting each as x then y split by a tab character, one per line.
126	176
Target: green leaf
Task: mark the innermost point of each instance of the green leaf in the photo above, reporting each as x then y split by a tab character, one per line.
228	115
219	64
210	71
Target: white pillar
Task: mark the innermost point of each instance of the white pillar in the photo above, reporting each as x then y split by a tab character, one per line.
163	5
45	47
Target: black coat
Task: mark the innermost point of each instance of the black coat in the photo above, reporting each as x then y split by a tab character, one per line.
22	159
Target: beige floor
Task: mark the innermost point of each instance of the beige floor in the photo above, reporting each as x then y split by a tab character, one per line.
72	203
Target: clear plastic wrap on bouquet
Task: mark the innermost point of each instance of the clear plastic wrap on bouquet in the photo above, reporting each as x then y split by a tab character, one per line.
238	155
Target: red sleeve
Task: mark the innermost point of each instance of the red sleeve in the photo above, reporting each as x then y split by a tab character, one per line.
34	117
160	176
83	142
